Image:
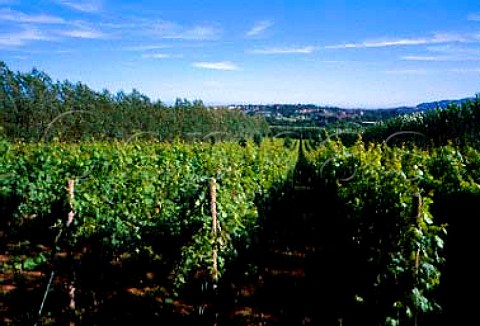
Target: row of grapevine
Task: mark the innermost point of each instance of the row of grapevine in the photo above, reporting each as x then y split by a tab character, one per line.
391	220
144	198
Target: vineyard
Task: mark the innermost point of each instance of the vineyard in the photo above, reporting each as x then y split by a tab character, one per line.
138	200
235	233
192	216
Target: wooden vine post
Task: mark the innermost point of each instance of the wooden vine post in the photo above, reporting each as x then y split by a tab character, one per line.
417	214
70	217
213	210
70	287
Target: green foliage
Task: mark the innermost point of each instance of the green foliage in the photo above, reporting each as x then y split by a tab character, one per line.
384	195
457	123
137	197
30	263
35	108
149	197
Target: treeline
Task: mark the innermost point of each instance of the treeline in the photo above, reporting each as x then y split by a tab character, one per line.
33	107
457	124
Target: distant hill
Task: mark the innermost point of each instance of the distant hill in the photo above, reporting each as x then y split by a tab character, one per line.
427	106
321	116
442	104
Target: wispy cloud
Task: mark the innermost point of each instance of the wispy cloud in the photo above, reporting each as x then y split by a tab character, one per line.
169	30
20	17
147	47
219	65
88	6
158	56
259	28
291	50
83	32
21	38
33	28
474	17
440	58
424	58
448	52
377	44
437	38
455	49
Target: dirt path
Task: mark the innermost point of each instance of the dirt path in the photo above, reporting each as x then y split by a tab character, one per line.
289	277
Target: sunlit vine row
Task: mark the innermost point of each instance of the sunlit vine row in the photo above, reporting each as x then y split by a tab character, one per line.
129	197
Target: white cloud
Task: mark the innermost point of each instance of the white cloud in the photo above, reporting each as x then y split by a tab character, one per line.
20	17
292	50
440	58
259	28
219	65
199	33
156	56
450	49
84	33
474	17
448	52
90	6
437	38
147	47
377	44
424	58
21	38
170	30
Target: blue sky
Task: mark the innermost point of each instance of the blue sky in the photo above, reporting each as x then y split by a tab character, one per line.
334	52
